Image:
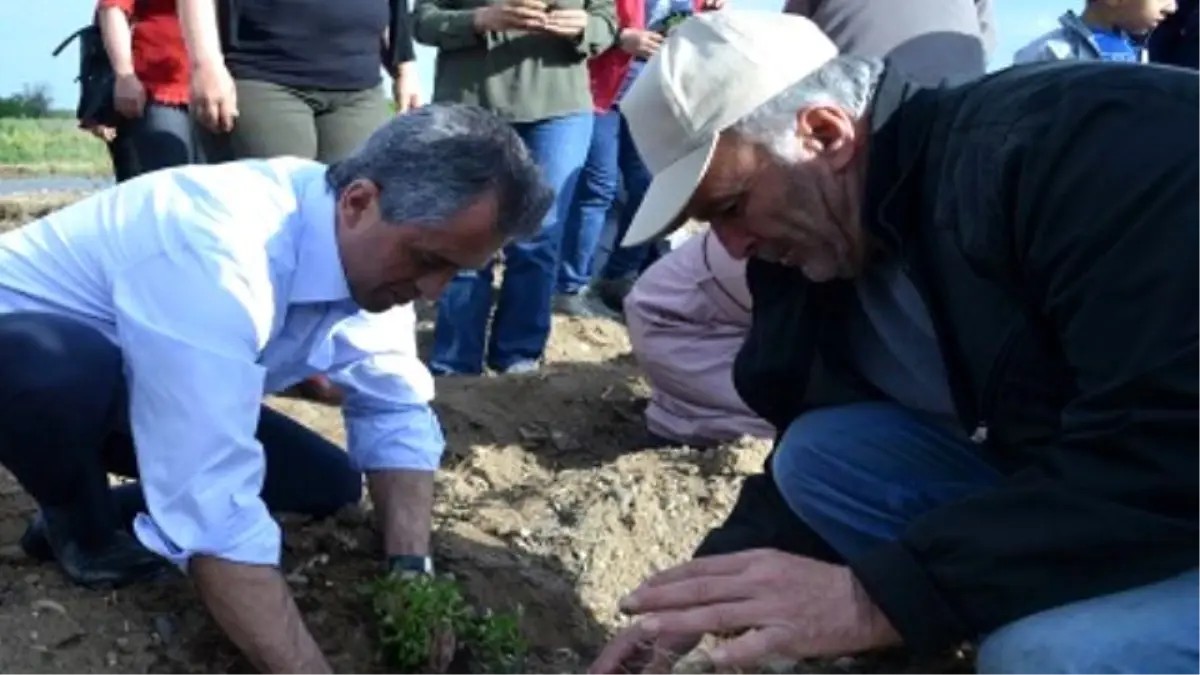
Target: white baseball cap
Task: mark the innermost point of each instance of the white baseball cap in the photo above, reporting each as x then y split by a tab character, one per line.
716	68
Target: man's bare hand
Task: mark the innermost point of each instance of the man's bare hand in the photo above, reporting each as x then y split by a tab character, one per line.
780	604
103	132
511	15
129	96
640	43
566	23
214	98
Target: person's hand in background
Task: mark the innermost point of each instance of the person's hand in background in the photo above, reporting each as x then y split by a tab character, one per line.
101	131
640	43
511	15
405	92
214	98
129	96
711	5
566	23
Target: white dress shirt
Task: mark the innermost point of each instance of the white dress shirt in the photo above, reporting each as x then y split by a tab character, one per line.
220	284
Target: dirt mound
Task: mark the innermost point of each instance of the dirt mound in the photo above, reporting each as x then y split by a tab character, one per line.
551	498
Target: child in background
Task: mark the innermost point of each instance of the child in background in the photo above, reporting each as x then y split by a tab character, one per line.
1107	30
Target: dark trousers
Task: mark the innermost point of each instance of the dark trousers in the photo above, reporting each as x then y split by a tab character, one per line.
163	137
63	422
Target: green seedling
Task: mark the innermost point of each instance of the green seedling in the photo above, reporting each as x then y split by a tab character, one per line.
425	625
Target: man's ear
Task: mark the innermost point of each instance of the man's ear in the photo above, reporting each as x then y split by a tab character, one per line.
829	131
357	199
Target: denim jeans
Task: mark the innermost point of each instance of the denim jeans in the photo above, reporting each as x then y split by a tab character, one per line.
163	137
521	325
611	159
857	474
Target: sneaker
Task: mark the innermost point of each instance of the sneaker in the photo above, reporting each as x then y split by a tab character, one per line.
573	305
525	367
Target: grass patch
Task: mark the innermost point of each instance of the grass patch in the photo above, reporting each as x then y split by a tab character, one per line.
426	626
49	146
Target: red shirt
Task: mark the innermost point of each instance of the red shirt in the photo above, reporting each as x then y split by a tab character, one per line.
159	55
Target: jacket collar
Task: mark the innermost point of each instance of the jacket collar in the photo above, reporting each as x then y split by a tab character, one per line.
900	124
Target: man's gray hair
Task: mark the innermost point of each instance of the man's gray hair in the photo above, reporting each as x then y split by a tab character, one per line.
847	81
436	160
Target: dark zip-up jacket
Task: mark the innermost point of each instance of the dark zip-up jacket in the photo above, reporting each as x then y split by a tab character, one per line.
1049	216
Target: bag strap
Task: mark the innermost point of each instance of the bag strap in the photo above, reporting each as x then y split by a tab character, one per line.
70	38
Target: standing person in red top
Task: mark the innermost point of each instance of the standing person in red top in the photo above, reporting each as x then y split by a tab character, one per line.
145	45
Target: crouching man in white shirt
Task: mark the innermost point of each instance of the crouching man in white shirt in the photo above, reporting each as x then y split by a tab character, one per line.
141	327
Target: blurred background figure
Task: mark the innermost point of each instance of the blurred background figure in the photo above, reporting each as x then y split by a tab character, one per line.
527	61
688	316
150	91
613	163
1106	30
1176	41
932	40
300	78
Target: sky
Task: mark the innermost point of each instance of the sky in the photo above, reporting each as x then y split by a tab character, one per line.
31	29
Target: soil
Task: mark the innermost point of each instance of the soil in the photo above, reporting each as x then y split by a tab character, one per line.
551	499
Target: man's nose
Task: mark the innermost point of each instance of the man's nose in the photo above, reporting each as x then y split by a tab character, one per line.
739	243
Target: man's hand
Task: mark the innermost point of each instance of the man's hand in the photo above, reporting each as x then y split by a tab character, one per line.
711	5
254	607
511	15
129	96
568	23
214	98
782	604
634	650
640	43
404	87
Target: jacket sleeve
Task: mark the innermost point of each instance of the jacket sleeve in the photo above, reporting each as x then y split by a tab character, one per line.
601	30
436	25
399	47
1105	252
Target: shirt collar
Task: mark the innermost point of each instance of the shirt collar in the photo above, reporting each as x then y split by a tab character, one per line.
318	275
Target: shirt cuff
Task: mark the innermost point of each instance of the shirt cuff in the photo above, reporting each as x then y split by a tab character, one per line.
407	438
255	540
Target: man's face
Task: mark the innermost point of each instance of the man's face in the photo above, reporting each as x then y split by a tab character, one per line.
1142	16
795	204
389	264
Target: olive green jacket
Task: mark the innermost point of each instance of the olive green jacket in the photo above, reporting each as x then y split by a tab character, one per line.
522	76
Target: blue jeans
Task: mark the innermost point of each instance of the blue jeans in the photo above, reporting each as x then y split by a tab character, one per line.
858	474
521	325
612	158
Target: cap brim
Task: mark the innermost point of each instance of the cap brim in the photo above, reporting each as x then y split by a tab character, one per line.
669	193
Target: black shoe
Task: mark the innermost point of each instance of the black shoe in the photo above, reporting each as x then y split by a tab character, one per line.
611	293
121	562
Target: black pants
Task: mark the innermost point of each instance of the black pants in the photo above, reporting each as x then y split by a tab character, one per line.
62	415
163	137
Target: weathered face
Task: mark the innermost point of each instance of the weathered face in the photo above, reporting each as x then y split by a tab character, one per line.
795	204
389	264
1141	16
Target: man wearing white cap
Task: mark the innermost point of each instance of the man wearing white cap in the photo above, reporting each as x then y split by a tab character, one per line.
976	335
